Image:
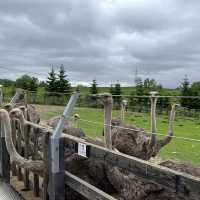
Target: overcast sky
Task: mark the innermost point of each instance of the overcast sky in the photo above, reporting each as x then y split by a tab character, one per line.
102	39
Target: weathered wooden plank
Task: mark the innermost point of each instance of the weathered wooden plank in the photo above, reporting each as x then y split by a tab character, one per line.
4	161
45	195
36	188
14	138
181	183
26	130
19	149
85	189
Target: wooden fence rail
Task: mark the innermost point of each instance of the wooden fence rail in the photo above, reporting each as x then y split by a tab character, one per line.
181	183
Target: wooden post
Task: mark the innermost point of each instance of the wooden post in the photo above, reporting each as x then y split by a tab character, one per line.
4	155
13	128
46	147
36	188
56	158
19	149
26	130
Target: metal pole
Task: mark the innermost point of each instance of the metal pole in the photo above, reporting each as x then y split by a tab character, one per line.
57	169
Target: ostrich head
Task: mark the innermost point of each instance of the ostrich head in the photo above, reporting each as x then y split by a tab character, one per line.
18	114
104	98
8	107
22	108
116	122
76	116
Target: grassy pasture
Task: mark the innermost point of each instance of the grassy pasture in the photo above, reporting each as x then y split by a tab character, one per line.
182	150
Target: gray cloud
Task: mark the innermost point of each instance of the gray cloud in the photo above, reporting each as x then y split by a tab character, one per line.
103	39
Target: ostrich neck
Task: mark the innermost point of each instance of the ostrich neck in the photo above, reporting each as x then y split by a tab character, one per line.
153	120
171	120
6	124
35	166
168	138
107	126
22	119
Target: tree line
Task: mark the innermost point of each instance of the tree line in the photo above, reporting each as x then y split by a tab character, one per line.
58	82
187	89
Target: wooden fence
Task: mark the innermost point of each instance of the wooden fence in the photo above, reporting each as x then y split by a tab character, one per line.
26	150
180	183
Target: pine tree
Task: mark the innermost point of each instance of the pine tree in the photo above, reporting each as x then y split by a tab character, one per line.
33	85
63	85
139	92
52	81
117	92
139	87
93	88
195	91
112	91
185	91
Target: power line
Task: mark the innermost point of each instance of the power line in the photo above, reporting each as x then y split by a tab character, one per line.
23	71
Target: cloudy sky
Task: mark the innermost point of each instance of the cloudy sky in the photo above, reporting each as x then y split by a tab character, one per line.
102	39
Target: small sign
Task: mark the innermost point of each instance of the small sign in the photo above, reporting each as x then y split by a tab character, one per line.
82	149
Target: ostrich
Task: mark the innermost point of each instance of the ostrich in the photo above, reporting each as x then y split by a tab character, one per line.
76	120
18	114
130	139
29	111
111	179
35	166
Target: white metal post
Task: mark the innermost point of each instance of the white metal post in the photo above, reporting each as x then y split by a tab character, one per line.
57	154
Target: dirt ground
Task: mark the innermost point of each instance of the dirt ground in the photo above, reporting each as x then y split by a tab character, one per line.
19	185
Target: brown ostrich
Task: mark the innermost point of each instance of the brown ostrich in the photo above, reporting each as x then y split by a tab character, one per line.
18	114
132	140
36	166
29	111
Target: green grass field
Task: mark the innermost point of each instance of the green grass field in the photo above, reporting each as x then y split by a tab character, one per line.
182	150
